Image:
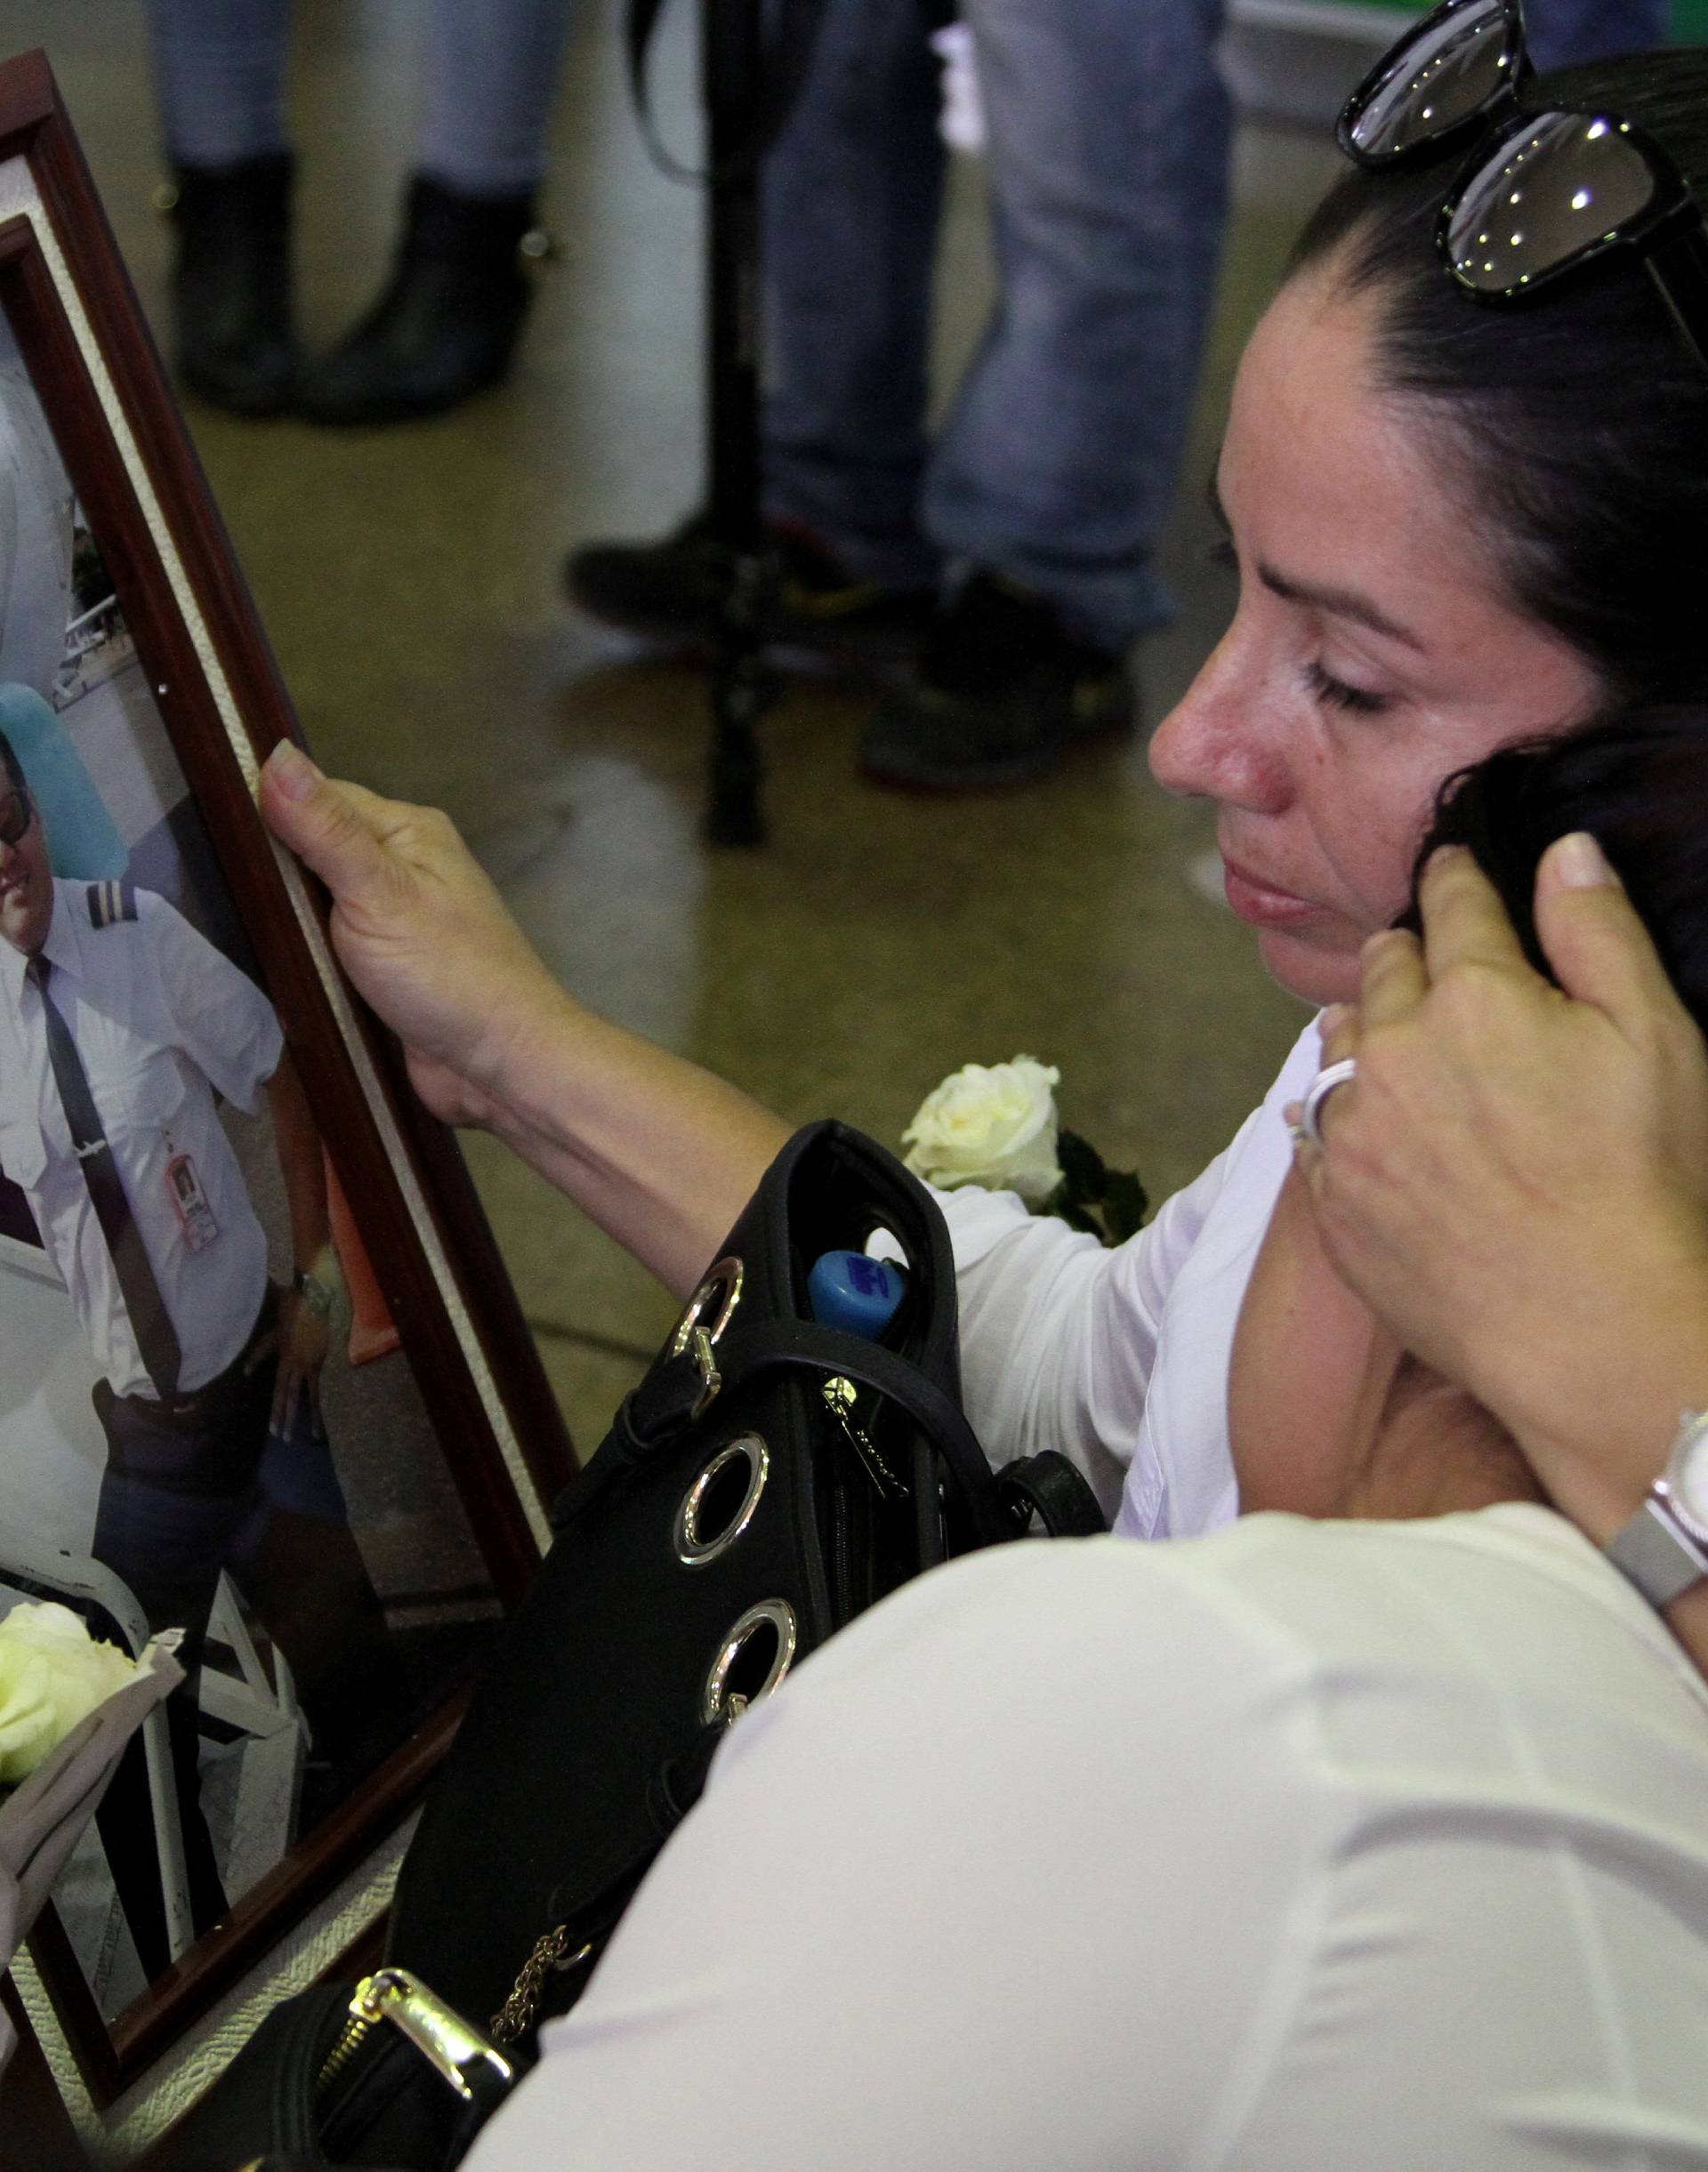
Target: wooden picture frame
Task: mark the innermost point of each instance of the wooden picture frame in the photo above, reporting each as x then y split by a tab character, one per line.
203	661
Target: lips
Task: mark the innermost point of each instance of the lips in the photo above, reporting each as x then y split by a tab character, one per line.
1259	903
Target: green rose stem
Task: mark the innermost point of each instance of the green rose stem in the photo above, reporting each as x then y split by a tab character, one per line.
1111	1204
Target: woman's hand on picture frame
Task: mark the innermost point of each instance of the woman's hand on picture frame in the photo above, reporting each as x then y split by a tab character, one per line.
660	1152
1517	1179
422	933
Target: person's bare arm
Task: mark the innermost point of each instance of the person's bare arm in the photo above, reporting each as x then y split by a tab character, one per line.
1517	1182
659	1153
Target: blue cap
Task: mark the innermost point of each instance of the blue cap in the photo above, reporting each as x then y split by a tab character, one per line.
853	1292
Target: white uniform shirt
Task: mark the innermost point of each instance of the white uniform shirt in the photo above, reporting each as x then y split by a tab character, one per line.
1304	1847
162	1020
1120	1358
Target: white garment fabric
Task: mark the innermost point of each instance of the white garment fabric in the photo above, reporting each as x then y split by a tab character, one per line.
1297	1847
1119	1359
162	1021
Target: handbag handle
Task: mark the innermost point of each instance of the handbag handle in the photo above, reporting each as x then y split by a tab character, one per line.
762	1346
1047	1485
673	1393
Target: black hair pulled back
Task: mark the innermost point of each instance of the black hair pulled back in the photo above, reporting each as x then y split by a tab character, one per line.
1575	427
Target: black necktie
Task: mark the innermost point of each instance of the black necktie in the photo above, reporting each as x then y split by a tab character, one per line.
150	1323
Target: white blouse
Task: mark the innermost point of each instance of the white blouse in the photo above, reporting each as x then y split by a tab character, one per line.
1120	1358
1299	1848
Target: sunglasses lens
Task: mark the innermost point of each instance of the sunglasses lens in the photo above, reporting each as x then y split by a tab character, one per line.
1544	195
1446	73
14	818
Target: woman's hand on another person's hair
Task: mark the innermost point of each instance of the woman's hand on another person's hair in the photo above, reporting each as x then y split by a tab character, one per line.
1517	1180
421	931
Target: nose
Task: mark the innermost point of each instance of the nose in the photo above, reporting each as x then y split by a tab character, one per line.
1221	741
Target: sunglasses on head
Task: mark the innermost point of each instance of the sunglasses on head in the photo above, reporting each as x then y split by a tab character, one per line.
1548	191
16	812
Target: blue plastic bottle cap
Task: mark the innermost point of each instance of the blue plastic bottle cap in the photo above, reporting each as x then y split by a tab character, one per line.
846	1290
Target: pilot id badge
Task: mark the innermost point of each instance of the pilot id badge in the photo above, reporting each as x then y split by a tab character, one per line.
190	1203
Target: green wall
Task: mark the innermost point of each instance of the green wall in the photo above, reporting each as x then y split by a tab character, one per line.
1689	19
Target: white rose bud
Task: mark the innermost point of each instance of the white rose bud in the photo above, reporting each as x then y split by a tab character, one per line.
993	1125
52	1675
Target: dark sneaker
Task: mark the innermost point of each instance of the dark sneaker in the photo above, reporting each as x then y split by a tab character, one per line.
1001	693
667	593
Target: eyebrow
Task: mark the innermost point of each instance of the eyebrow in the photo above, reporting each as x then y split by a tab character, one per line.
1339	602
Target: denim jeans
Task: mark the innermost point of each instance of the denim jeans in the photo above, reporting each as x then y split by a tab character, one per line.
489	75
1109	124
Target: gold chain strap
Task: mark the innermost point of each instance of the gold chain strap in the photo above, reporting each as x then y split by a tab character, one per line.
549	1956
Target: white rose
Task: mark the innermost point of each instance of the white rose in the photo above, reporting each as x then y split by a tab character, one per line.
52	1675
994	1125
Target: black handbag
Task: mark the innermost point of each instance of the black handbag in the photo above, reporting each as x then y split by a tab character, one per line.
768	1479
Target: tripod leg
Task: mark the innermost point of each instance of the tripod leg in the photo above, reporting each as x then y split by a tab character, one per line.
742	689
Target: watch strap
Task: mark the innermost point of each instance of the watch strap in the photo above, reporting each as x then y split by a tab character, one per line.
1656	1553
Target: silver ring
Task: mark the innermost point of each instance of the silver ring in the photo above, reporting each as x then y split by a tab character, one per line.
1310	1116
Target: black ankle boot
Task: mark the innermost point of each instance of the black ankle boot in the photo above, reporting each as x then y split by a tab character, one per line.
231	284
448	323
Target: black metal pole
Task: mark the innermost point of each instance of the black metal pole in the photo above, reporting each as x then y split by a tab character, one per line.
742	687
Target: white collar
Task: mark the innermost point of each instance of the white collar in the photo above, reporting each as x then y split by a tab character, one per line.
63	948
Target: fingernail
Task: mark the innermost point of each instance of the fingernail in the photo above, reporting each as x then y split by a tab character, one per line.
1580	864
1443	856
1333	1020
292	772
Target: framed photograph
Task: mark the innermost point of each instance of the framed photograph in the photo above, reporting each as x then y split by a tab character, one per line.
265	1380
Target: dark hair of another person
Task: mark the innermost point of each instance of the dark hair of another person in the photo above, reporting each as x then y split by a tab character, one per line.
1575	425
1639	783
13	768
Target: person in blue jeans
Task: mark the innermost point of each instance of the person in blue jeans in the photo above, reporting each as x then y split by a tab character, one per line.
1013	553
447	324
1008	561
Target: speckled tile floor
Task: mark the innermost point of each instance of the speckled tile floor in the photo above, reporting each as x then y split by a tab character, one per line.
409	579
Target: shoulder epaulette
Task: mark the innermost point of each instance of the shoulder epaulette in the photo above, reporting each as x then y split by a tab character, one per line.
110	902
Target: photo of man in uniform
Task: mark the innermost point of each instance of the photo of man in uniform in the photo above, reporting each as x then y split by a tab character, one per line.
120	1025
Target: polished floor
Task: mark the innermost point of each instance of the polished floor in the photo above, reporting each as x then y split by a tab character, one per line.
409	579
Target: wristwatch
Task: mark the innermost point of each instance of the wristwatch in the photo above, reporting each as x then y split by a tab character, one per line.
1664	1549
316	1294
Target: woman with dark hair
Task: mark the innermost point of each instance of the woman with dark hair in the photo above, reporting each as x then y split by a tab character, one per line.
1368	1841
1457	526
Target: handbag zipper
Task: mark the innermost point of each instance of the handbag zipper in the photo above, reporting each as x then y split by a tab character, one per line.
840	1398
458	2054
